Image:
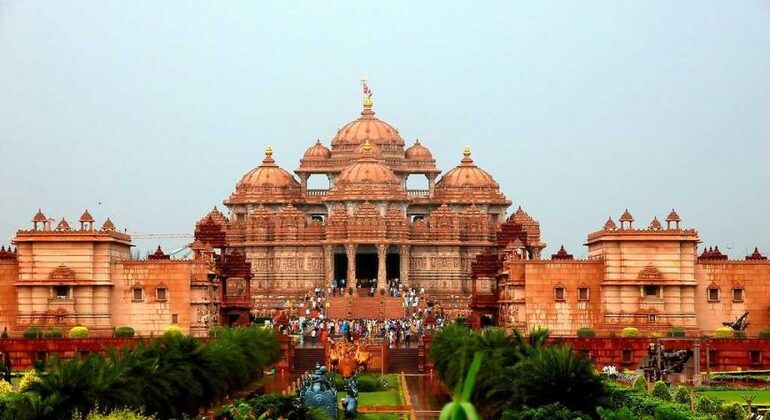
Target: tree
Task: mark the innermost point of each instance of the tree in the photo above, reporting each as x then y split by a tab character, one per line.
556	374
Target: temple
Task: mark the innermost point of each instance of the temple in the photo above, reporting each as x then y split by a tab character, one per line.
369	228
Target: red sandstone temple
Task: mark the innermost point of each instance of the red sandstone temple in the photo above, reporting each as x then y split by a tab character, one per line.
281	239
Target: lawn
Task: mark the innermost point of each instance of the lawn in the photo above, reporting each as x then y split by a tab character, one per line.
389	397
763	395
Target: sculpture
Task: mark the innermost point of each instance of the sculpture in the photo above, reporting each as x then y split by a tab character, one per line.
317	391
739	324
660	362
350	403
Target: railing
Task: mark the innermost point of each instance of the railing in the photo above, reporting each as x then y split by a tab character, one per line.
317	193
418	193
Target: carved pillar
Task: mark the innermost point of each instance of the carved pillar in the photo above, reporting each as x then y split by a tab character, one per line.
403	251
350	250
431	184
382	252
329	264
303	182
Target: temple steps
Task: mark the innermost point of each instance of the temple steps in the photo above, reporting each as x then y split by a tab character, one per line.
405	360
305	359
353	307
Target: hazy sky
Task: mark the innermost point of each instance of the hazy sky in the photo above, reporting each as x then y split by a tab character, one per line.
578	109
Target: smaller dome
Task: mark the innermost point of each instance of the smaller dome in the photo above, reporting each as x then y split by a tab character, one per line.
268	174
467	174
86	217
418	152
39	217
317	152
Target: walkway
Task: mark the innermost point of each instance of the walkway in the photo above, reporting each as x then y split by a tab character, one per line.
427	395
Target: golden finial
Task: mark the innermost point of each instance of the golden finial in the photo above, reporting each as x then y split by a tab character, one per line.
367	93
367	147
268	151
467	151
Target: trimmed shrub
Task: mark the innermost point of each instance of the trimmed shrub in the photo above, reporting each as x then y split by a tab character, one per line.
78	332
216	331
622	413
707	405
724	332
733	411
124	414
764	333
682	395
32	332
660	390
5	333
28	378
172	329
640	384
5	388
655	334
629	332
669	412
124	332
54	332
586	332
554	411
368	384
676	332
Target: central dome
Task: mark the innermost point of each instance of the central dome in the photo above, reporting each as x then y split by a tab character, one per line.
367	169
367	127
367	178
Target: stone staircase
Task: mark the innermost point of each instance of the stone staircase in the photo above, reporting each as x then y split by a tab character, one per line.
305	359
378	307
405	360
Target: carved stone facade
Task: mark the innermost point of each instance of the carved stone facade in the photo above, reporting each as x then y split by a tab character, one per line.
650	278
367	224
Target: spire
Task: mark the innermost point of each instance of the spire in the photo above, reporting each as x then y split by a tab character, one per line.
610	224
108	225
466	160
756	256
268	160
39	217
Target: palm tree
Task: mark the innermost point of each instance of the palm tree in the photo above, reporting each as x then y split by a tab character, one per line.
556	374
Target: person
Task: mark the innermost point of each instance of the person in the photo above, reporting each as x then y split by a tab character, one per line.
312	336
334	287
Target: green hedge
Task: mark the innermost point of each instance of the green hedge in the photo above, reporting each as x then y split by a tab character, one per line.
586	333
32	332
676	332
660	390
764	333
54	332
630	332
642	404
124	332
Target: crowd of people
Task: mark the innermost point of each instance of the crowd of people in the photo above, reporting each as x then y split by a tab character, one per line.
309	323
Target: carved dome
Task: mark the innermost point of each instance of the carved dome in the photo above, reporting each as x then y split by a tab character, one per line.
418	152
469	183
467	174
266	183
367	127
367	178
317	152
367	169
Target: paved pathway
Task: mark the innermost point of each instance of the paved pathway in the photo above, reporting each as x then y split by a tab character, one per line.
427	394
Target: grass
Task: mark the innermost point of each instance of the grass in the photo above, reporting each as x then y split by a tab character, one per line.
389	397
763	395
